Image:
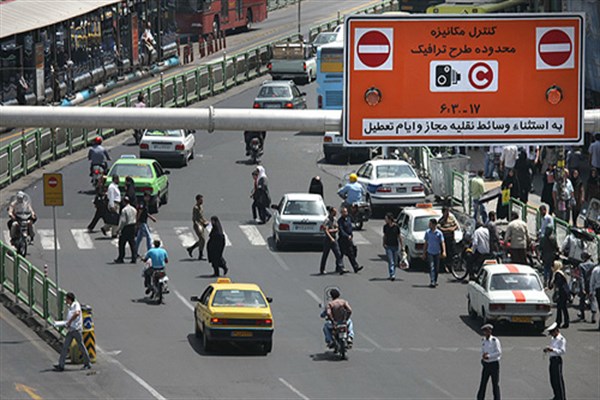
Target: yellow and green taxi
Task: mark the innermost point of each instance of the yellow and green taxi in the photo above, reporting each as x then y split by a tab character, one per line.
148	176
233	312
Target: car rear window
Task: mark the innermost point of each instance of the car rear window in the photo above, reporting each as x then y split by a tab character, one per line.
395	171
515	282
304	207
133	170
169	133
274	91
238	298
422	223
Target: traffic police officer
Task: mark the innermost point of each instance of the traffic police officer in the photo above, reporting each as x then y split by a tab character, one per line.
558	347
491	351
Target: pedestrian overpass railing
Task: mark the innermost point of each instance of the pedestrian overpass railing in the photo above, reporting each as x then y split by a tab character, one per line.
30	286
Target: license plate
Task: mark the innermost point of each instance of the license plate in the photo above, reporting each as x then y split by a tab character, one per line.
521	319
303	227
241	334
272	106
401	190
162	146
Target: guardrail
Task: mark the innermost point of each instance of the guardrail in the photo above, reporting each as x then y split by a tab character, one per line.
30	286
41	146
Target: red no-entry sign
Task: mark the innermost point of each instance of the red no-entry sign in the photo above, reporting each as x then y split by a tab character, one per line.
555	47
53	190
52	182
374	49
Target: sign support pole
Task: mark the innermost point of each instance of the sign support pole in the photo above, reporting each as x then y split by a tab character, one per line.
56	258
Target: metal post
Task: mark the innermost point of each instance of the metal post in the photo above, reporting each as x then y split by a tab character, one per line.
99	132
299	19
23	152
162	90
56	256
53	143
224	70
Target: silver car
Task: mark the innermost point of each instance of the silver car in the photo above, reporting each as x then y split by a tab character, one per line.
172	145
298	218
280	94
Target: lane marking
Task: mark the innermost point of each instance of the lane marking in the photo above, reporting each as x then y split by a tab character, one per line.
47	239
441	389
185	235
373	342
183	299
313	295
293	389
133	375
358	238
31	392
82	239
253	235
280	261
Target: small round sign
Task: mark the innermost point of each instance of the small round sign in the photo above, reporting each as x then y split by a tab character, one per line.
52	182
555	47
373	49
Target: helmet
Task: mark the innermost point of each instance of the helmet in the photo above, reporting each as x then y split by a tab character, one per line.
20	196
98	140
353	178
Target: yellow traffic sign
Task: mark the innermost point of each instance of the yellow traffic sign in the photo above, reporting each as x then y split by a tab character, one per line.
53	190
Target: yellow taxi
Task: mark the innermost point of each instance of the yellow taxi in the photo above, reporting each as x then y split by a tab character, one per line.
233	312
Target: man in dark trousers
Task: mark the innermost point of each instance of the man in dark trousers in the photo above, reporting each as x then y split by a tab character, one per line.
558	347
347	246
491	352
330	227
127	231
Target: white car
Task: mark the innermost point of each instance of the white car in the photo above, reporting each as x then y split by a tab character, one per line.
509	293
413	223
390	183
298	218
171	145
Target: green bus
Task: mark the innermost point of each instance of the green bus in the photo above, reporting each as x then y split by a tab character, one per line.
480	7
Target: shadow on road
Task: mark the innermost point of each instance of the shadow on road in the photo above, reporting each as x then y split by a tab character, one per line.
225	348
501	329
145	300
326	356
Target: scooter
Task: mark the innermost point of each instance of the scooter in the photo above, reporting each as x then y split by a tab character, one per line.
340	330
256	150
360	212
159	285
23	239
97	173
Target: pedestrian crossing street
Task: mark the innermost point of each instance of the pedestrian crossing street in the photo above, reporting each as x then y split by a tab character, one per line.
242	234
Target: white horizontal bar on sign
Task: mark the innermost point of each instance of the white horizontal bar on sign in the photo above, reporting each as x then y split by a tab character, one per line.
373	49
463	126
555	48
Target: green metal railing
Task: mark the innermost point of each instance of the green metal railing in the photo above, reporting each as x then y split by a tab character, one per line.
30	286
42	146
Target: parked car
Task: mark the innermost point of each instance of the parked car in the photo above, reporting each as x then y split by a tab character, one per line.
176	145
233	312
280	94
413	222
509	293
390	183
148	176
298	218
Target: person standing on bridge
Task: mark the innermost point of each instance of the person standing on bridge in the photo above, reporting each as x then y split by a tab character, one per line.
74	325
199	224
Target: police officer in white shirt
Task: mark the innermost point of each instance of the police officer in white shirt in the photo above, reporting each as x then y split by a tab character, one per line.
558	347
491	351
113	194
74	325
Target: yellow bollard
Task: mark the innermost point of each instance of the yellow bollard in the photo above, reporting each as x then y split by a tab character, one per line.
89	338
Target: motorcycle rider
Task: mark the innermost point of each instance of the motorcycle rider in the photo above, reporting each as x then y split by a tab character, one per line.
249	135
352	192
338	311
16	209
159	258
98	155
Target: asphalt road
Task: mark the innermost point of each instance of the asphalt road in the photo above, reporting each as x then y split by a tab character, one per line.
412	342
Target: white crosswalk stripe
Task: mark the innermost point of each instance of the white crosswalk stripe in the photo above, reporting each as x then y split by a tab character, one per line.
253	235
209	228
358	238
154	235
82	239
47	239
185	235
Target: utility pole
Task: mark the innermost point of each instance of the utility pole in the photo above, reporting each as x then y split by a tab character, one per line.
299	24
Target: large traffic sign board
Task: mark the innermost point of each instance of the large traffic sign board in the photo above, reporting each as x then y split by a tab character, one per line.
53	190
476	79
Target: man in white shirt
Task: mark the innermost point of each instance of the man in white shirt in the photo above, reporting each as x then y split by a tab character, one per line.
74	326
113	194
127	224
491	352
481	247
547	220
508	158
558	347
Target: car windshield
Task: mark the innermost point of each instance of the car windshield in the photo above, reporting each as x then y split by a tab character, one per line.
274	91
304	207
422	223
238	298
515	282
169	133
133	170
395	171
324	38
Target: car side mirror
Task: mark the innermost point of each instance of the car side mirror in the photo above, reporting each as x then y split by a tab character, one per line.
167	172
270	299
303	94
194	298
275	207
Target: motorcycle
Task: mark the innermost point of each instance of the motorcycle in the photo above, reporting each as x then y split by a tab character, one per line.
359	211
159	285
464	262
24	216
256	150
137	135
340	331
97	173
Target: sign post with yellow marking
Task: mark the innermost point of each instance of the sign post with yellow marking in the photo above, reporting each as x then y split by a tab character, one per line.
53	196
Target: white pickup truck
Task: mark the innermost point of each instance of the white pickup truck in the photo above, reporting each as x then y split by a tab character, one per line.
293	61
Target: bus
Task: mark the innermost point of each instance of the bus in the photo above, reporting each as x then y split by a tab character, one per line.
202	17
480	7
417	6
330	76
